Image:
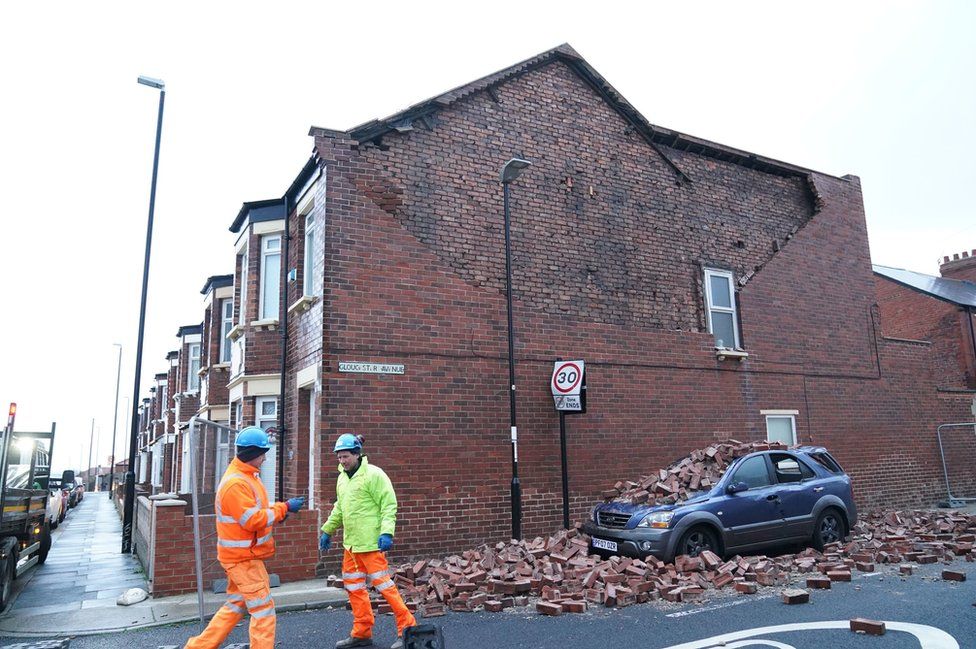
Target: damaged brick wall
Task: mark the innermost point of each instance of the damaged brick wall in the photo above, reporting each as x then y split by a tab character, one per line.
610	275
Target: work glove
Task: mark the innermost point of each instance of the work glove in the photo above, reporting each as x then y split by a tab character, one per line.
294	504
325	542
385	542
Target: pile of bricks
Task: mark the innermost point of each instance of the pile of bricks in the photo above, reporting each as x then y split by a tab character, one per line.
699	471
557	575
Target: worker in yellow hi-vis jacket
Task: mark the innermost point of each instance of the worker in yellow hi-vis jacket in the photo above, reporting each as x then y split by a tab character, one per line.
365	509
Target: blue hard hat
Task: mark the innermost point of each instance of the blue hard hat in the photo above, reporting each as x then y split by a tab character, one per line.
253	436
348	442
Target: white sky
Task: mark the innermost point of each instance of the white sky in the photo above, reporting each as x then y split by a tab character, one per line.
882	90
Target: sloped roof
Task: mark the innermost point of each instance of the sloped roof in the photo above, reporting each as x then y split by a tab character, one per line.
956	291
654	135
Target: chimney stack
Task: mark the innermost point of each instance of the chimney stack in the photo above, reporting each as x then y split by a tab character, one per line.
960	266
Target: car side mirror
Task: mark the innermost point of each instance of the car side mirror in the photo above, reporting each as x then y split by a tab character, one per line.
736	487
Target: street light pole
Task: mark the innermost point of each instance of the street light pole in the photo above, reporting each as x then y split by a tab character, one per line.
115	422
130	478
510	171
91	441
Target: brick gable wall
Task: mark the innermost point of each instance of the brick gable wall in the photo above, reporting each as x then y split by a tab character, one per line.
414	274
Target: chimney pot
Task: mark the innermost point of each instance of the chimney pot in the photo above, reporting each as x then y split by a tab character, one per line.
945	260
965	255
955	256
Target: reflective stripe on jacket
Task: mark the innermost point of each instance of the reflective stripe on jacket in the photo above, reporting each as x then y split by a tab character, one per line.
244	515
365	507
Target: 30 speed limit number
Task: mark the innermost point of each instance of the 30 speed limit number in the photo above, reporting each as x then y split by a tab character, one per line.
567	381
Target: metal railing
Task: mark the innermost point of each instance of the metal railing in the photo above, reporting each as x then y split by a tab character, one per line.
954	500
198	439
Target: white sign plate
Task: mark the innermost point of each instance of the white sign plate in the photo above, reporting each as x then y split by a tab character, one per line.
567	378
568	403
370	368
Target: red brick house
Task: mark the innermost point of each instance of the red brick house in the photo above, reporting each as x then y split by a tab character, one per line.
255	365
940	310
218	320
711	291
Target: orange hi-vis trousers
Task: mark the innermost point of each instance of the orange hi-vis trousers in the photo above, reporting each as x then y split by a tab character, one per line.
248	589
360	568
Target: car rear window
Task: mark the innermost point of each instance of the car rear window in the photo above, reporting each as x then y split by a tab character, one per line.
826	461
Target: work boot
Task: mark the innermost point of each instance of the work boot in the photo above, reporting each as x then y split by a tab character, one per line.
354	642
398	644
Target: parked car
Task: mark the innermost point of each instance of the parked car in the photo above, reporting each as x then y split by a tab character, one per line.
766	498
59	493
54	507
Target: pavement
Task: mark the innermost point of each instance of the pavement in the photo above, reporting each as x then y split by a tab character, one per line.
74	592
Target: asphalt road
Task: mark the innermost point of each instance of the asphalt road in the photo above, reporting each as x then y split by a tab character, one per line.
941	612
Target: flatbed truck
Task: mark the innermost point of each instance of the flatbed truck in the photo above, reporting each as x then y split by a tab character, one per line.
25	533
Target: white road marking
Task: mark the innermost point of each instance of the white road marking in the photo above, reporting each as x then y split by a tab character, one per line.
927	636
715	607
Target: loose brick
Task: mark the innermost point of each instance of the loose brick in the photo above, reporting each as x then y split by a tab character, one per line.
795	596
548	608
953	575
870	627
746	587
821	583
839	575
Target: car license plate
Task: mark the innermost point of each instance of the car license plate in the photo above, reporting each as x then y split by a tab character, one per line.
604	545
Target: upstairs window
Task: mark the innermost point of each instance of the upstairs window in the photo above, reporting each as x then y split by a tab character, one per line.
226	324
243	305
270	277
309	277
193	376
720	308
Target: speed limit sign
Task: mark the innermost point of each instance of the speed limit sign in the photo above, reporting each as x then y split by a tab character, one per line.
568	386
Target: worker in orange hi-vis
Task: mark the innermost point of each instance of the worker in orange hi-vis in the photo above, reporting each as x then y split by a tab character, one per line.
365	509
245	520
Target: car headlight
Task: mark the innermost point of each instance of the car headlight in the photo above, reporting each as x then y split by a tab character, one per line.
593	513
658	520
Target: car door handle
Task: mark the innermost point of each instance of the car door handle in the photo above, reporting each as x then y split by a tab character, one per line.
818	489
772	497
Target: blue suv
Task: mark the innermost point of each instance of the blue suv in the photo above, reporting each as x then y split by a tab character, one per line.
765	498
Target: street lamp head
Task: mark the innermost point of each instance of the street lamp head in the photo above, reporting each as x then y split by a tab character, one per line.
152	83
512	169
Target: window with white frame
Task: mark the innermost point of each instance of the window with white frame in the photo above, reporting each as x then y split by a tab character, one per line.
243	305
158	457
270	276
720	308
266	412
239	414
226	324
781	426
193	376
224	453
266	409
143	466
309	277
185	463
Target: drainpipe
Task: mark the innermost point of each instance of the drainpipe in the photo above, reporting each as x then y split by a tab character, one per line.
286	262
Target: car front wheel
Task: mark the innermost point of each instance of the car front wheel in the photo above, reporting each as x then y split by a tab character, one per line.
695	541
828	529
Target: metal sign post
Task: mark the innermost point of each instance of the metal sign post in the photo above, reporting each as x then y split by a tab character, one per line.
568	386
